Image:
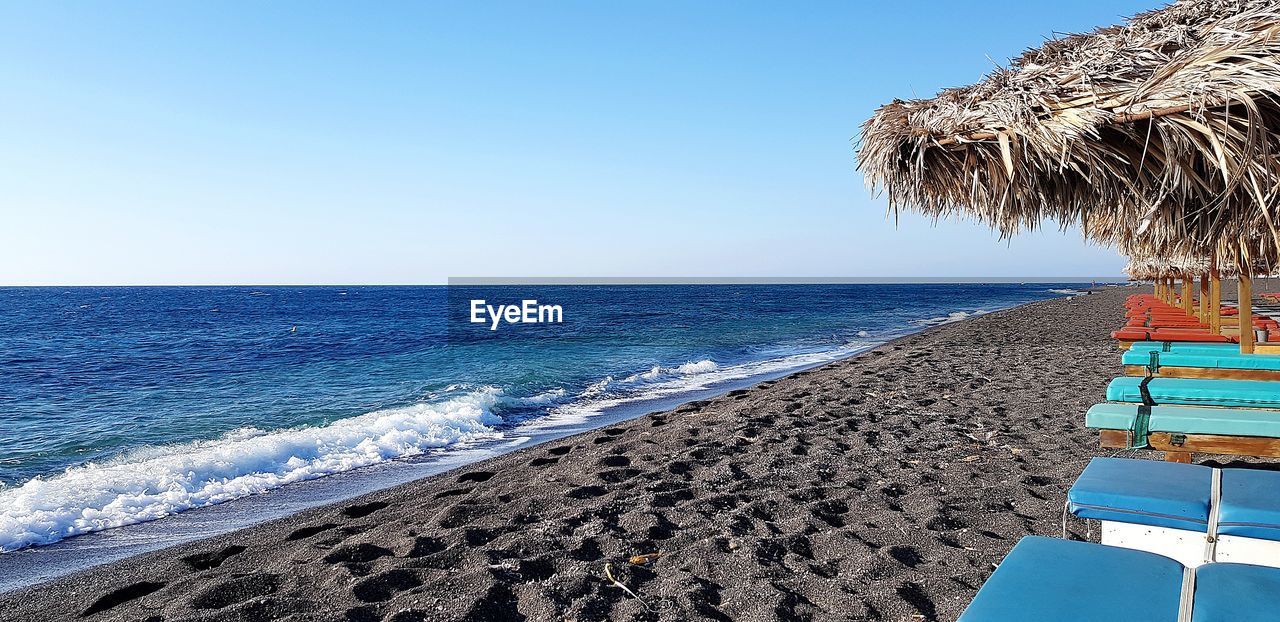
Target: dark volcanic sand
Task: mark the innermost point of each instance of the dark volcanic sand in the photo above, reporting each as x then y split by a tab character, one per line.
882	487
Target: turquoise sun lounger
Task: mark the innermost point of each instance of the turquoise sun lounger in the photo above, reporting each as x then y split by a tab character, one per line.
1197	391
1192	513
1184	420
1051	580
1211	359
1184	346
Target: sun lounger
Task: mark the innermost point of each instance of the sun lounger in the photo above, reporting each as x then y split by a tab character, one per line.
1197	392
1221	363
1183	430
1130	334
1191	513
1185	420
1179	346
1202	355
1051	580
1261	348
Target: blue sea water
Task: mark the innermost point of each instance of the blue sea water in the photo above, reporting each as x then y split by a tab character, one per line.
123	405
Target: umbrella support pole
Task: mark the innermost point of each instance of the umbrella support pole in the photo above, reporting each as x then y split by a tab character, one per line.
1188	297
1204	299
1246	314
1215	303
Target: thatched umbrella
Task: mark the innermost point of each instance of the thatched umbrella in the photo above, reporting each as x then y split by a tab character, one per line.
1161	134
1162	131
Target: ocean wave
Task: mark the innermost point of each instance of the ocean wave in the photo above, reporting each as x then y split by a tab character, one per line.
955	316
1066	292
662	382
698	367
154	482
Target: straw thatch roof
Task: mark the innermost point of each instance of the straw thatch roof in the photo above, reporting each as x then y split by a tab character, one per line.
1148	268
1162	133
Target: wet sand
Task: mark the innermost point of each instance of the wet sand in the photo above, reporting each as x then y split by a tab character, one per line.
881	487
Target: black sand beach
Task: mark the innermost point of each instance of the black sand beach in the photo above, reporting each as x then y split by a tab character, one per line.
881	487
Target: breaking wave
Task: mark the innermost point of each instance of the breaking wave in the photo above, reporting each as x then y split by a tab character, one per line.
154	482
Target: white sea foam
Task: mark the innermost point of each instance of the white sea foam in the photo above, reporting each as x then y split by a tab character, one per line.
154	482
1067	292
664	382
546	397
699	367
598	387
955	316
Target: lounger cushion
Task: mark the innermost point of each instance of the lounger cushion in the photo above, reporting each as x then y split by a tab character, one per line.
1052	580
1187	420
1225	359
1169	334
1146	492
1131	332
1186	334
1236	593
1186	346
1250	504
1198	391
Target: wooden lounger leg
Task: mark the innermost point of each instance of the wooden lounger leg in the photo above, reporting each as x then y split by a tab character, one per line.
1178	456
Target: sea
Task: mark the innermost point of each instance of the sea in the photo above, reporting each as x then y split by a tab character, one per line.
138	417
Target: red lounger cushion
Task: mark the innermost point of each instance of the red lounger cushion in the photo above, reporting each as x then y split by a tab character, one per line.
1174	334
1131	334
1169	334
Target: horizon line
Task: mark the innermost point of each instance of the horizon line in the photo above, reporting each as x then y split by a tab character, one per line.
479	281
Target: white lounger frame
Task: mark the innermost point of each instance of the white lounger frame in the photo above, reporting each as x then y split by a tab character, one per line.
1188	547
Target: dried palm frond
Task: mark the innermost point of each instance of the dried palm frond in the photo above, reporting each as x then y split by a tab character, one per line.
1162	133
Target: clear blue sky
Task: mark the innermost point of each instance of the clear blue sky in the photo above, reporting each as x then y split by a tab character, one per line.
304	142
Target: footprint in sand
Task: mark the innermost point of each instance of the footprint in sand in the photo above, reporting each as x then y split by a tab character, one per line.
236	591
362	510
586	492
383	586
475	476
356	553
906	555
121	596
212	559
453	492
307	532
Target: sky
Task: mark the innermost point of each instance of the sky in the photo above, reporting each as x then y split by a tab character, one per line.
409	142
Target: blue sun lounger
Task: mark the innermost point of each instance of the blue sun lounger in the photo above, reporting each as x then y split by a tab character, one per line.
1051	580
1191	513
1197	391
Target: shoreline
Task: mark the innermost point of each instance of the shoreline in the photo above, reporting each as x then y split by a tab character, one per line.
40	563
510	467
34	565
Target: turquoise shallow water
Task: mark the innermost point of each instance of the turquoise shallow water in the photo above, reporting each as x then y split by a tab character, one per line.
121	405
